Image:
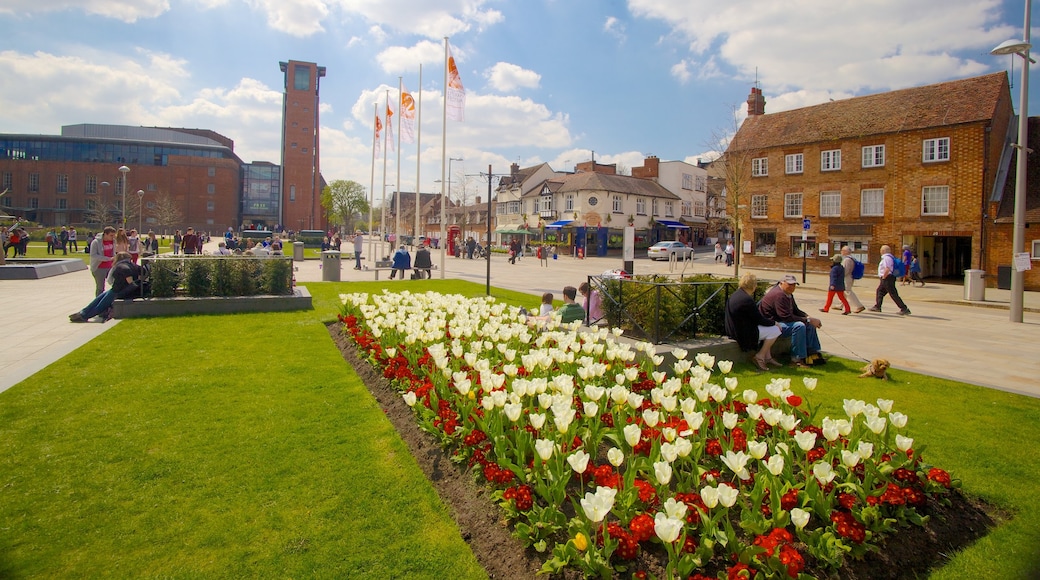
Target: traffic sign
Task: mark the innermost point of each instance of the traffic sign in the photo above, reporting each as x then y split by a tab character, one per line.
806	224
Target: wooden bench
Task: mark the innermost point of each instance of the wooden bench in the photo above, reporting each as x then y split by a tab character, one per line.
408	271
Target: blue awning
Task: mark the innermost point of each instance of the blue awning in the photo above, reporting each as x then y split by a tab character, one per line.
673	224
559	224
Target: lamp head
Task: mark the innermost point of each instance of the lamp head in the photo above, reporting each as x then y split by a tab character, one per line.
124	168
1019	47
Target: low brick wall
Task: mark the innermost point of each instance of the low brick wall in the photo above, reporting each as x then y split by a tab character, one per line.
152	307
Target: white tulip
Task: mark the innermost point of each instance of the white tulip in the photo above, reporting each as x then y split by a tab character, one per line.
632	434
823	472
898	419
736	462
694	420
663	472
597	505
775	465
749	396
635	400
731	383
666	528
544	448
579	461
788	422
728	495
594	392
885	405
876	424
806	440
590	408
853	407
675	509
537	420
651	417
904	443
849	458
799	517
729	420
710	496
684	446
615	456
757	449
809	382
409	398
865	450
512	411
705	360
725	366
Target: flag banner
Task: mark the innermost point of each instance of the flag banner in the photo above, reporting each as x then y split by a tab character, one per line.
389	128
455	93
379	142
407	117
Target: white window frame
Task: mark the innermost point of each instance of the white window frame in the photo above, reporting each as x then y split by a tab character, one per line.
687	210
874	156
830	204
794	163
793	205
654	210
640	206
830	160
935	150
935	200
760	167
669	209
617	207
568	202
875	206
759	206
687	181
1036	250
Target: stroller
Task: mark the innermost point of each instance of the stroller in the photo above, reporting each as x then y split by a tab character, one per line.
480	252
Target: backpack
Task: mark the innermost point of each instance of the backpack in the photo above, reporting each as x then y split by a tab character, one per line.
898	267
858	269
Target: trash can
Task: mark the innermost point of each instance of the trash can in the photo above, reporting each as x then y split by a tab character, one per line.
297	251
1004	277
974	286
330	266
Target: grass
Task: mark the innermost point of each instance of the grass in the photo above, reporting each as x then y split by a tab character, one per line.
244	446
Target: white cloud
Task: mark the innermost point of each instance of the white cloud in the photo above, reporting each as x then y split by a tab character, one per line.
401	59
878	46
615	28
506	77
681	71
432	18
125	10
295	17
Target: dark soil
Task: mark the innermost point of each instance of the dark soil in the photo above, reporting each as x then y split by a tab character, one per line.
910	553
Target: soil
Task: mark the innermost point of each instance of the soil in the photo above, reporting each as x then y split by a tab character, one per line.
909	553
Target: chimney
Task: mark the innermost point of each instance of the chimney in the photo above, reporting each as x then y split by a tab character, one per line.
478	200
651	168
514	169
756	103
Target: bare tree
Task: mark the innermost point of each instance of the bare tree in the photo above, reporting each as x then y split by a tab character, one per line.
100	213
732	202
166	212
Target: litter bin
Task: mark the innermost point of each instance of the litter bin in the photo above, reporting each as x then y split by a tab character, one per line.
330	266
1004	277
974	286
297	251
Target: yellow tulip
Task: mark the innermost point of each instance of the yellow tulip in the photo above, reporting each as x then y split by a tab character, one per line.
581	542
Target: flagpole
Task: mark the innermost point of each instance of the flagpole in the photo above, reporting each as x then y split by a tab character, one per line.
372	184
397	196
444	149
418	150
382	214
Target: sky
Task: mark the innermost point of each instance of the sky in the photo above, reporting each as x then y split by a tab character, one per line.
556	81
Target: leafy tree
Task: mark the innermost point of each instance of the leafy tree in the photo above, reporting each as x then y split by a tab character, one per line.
343	201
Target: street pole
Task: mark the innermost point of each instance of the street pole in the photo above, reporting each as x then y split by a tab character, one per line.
487	243
140	211
124	170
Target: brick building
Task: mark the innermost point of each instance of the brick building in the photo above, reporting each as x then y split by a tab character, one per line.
302	182
75	178
924	167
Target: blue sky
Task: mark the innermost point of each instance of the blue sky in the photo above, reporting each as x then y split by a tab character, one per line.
546	80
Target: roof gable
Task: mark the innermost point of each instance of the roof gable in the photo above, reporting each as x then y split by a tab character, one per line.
943	104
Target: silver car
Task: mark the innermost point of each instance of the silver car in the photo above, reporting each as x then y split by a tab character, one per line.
664	250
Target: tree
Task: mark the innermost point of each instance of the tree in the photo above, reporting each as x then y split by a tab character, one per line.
734	167
343	201
167	214
99	213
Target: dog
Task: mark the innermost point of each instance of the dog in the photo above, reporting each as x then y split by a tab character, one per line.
878	368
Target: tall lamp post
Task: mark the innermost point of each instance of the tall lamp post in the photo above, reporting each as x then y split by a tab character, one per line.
124	170
140	210
450	159
1021	48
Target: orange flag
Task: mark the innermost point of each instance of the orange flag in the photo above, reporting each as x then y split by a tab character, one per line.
407	117
455	92
379	143
389	128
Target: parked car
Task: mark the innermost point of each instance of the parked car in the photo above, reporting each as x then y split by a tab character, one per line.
664	250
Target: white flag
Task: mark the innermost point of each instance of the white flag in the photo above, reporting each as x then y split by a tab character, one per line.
407	117
455	93
378	142
389	128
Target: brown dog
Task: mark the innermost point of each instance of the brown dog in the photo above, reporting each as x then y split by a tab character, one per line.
877	368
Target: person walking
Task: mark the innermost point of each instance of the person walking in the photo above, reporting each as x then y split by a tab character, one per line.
887	282
359	244
915	270
177	239
848	264
135	246
190	241
729	253
72	239
52	241
837	286
718	251
908	255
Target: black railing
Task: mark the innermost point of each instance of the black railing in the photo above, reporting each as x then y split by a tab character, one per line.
664	309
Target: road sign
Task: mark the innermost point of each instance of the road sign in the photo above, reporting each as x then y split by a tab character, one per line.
806	224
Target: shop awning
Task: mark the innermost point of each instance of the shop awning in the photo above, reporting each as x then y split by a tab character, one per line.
673	224
559	224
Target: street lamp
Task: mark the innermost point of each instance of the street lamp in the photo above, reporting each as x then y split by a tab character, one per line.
450	159
1021	48
124	170
140	210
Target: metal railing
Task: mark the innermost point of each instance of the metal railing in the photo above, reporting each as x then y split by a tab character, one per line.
664	308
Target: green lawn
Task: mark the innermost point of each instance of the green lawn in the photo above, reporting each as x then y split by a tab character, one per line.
244	446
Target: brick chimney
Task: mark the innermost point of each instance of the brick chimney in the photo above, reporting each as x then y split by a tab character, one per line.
514	169
651	168
756	103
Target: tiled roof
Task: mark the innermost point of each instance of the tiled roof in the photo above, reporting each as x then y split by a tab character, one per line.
592	181
943	104
1006	209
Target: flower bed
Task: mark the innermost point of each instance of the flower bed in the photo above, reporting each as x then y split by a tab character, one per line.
597	456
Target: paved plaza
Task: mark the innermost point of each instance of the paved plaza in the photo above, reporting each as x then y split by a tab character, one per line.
945	336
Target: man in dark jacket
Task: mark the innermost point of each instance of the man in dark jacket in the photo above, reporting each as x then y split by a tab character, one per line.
778	304
423	263
124	281
746	325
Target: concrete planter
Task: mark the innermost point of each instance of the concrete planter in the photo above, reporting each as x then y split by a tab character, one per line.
152	307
